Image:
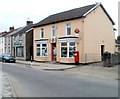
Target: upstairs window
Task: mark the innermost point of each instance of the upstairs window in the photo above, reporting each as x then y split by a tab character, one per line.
42	33
68	29
53	31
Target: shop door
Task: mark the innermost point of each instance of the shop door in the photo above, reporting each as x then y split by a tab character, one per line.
102	51
53	52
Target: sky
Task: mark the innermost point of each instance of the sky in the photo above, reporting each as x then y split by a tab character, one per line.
17	12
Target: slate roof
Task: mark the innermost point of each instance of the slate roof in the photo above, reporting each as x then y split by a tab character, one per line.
25	29
16	31
71	14
21	30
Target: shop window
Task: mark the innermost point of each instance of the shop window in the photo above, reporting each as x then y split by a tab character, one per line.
41	50
38	51
72	48
63	49
67	49
20	52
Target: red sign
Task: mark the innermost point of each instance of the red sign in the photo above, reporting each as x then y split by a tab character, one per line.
53	40
77	31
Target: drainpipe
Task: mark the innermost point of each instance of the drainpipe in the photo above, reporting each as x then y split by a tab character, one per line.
82	39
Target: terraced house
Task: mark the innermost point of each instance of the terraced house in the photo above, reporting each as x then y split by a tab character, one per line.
88	30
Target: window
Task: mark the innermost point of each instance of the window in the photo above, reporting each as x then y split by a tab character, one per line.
67	49
8	40
72	48
63	49
20	37
9	50
53	31
42	33
20	51
38	49
41	50
68	29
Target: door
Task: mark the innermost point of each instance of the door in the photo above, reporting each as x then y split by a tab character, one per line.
53	52
102	51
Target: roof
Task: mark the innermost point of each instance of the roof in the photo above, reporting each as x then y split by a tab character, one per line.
16	31
21	30
25	29
6	33
71	14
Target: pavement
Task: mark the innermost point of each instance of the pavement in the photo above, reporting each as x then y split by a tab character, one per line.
6	89
94	69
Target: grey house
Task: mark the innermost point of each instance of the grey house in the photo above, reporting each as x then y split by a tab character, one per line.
21	42
9	41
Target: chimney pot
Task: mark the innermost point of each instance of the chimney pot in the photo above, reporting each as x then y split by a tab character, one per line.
29	22
11	28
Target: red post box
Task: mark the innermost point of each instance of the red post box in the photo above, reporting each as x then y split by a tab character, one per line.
76	57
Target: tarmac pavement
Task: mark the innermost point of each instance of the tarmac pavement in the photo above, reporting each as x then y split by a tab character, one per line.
6	89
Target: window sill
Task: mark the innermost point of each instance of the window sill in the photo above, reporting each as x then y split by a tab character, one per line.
41	56
67	57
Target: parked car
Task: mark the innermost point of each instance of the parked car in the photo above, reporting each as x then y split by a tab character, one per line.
7	58
1	55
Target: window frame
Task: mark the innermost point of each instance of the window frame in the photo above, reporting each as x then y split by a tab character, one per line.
68	25
68	49
53	28
42	33
20	50
41	47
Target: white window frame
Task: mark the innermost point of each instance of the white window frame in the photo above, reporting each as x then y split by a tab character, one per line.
41	49
68	46
42	31
68	25
53	28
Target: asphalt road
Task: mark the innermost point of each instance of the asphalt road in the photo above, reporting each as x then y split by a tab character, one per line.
29	82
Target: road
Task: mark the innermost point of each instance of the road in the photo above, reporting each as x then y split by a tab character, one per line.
29	82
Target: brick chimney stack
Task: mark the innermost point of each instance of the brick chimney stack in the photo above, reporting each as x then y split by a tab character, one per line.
29	22
11	29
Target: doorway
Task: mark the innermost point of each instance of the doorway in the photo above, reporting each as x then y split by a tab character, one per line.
102	51
54	52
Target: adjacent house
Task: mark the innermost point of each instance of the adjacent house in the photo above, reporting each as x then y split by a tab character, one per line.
3	47
9	42
2	41
88	30
117	45
23	42
19	43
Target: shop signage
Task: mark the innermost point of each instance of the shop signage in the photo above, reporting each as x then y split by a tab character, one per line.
53	40
77	31
17	43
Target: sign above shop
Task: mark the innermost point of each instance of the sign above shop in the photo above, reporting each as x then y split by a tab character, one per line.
77	31
53	40
17	43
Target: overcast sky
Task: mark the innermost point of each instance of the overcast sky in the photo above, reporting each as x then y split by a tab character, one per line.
17	12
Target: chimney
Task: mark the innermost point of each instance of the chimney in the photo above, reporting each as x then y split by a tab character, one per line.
11	29
29	22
